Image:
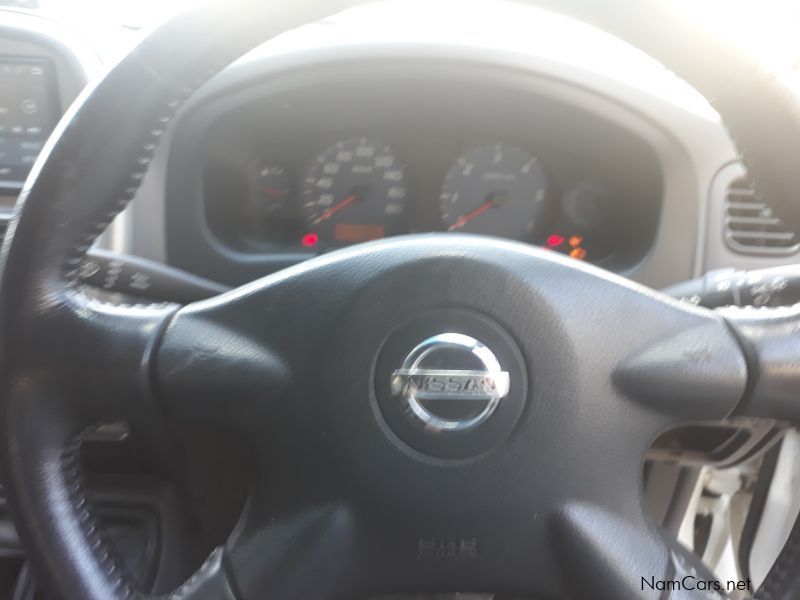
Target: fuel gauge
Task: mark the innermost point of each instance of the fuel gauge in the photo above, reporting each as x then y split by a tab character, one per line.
271	188
268	213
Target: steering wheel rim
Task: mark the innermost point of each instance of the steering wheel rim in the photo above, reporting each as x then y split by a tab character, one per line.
674	364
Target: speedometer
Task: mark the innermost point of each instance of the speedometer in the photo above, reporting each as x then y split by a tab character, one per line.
355	191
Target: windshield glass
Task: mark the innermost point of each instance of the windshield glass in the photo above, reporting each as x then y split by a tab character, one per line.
766	27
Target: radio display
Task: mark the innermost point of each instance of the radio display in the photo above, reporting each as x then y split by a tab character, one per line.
28	113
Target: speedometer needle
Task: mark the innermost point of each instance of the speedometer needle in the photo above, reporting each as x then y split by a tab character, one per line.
333	209
463	220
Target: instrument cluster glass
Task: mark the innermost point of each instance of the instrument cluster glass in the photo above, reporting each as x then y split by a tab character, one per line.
359	189
339	158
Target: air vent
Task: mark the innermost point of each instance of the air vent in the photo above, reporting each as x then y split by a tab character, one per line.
750	225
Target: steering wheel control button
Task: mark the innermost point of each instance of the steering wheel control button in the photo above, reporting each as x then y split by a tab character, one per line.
450	383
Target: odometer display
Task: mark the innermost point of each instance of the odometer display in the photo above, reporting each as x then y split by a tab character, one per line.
355	191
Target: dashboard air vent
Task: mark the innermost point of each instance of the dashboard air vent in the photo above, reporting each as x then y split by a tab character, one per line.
750	225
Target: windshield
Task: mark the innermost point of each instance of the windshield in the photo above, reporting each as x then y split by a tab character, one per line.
768	28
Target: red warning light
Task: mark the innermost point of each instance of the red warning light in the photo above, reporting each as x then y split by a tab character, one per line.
555	240
309	240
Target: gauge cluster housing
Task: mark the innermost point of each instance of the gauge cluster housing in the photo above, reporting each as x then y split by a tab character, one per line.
604	182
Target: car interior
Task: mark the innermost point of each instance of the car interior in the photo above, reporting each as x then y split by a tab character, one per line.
398	300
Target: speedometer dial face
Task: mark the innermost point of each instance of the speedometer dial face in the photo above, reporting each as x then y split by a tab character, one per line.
495	190
355	191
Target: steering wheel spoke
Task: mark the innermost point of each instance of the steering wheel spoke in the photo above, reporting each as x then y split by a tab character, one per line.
771	341
251	358
296	554
613	555
210	370
691	369
301	554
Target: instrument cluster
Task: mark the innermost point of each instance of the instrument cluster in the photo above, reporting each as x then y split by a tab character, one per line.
360	189
287	172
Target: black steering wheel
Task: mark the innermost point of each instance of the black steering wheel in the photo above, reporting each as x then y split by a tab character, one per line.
426	413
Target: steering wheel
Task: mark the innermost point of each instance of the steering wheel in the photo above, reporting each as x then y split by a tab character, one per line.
425	413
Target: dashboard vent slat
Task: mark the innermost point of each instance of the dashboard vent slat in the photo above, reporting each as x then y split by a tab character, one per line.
754	221
750	225
764	235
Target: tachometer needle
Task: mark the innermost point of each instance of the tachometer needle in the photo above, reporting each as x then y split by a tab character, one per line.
333	209
463	220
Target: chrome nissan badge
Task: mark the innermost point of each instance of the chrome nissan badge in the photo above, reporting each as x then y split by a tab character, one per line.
450	382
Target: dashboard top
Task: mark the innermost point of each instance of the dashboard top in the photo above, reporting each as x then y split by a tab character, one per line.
488	26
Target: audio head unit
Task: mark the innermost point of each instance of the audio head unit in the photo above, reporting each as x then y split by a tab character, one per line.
28	113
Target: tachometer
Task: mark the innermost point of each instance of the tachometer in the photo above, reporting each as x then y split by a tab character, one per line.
355	191
495	190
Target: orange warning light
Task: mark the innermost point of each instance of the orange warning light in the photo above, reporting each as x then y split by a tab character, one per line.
579	253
